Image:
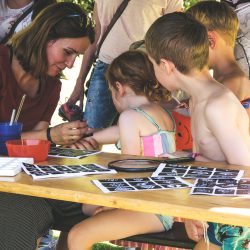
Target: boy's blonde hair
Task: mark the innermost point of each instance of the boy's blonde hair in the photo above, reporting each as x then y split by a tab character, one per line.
217	16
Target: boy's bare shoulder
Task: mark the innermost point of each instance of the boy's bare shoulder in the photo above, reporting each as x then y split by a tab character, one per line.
239	84
234	76
222	101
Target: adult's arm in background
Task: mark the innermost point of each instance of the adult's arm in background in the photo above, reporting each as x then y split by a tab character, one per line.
88	58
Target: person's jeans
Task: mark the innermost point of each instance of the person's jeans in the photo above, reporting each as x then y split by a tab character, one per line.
100	111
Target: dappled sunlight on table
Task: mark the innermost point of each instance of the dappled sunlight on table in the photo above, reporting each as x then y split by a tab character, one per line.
230	210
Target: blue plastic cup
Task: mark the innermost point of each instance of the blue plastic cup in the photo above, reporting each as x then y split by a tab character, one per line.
9	132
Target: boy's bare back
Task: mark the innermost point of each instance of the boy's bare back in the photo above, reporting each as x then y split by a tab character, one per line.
219	124
236	80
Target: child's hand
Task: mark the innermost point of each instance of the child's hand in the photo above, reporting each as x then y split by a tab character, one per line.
176	154
102	209
195	229
89	209
182	105
181	154
88	143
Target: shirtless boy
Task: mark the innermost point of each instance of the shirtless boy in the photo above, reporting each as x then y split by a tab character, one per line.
219	123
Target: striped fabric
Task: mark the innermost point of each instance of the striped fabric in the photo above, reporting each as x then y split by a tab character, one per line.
34	211
158	144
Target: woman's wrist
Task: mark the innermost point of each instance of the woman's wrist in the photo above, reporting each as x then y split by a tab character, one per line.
48	134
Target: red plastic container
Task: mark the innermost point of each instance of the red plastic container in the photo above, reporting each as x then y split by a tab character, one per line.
37	149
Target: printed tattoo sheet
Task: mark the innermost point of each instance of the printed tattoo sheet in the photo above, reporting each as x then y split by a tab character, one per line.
55	171
71	153
221	187
140	184
194	172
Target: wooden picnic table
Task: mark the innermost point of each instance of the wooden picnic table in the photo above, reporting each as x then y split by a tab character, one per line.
174	202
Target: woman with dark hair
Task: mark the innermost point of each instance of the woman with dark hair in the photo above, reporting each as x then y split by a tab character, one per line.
31	64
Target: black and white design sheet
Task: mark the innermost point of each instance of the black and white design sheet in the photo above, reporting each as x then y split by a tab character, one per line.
221	187
55	171
194	172
71	153
140	184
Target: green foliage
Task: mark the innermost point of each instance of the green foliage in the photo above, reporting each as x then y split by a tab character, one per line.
189	3
87	5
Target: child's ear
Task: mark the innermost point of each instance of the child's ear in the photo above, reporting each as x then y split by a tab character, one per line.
211	39
120	88
167	66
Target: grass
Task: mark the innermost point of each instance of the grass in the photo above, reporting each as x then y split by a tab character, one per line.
107	246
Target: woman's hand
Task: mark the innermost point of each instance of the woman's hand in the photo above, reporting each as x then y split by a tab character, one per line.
69	132
78	93
6	26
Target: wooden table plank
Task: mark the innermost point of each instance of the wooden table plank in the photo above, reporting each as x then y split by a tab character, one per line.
178	202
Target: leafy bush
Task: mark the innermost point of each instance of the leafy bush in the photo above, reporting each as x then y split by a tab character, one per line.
87	5
189	3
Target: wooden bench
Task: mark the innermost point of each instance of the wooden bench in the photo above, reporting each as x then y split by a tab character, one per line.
176	237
